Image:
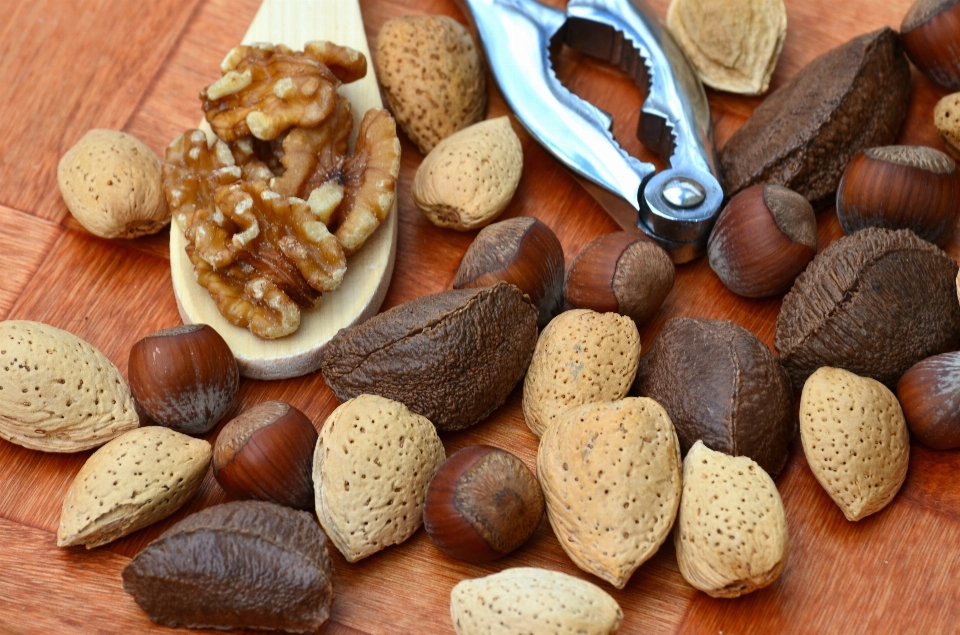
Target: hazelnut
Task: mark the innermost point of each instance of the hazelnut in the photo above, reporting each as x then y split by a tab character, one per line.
482	503
522	251
901	187
929	34
184	378
762	240
266	454
622	272
929	393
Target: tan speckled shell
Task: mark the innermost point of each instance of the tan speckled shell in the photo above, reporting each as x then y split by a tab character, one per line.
731	535
855	439
946	118
581	357
111	184
733	44
431	75
57	392
140	477
371	468
531	600
610	474
469	178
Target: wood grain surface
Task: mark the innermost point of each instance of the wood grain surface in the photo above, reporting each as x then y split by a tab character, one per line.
71	65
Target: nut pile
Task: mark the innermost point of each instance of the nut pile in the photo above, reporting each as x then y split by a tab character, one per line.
271	208
275	202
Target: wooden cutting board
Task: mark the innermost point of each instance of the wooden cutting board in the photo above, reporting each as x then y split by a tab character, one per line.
71	65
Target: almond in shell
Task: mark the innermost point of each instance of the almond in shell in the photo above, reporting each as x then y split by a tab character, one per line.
469	178
133	481
371	469
855	439
731	535
581	357
610	474
57	392
532	600
431	75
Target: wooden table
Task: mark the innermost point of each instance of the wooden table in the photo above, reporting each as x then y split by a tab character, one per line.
70	65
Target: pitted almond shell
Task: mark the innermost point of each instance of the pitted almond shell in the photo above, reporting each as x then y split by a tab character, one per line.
581	357
946	119
431	75
610	474
371	469
731	535
57	392
532	600
135	480
110	182
855	439
469	178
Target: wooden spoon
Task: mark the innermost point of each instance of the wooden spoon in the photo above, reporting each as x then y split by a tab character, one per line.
295	22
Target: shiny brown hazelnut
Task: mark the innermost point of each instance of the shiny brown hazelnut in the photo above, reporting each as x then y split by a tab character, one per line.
929	33
266	454
184	378
929	393
901	187
482	504
622	272
522	251
762	240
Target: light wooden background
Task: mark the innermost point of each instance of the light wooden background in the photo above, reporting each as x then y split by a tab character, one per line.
70	65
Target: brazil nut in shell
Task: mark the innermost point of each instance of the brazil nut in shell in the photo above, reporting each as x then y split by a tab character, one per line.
873	303
803	135
721	384
245	564
452	357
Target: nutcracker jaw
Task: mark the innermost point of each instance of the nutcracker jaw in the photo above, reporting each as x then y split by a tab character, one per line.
677	206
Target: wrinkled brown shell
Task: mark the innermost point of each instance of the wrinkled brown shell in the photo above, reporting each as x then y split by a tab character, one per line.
873	303
719	383
804	134
452	357
246	564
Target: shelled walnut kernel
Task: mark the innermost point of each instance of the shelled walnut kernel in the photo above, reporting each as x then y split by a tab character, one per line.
272	205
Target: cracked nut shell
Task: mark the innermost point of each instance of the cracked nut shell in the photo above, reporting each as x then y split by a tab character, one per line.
522	251
901	187
482	504
762	240
245	564
184	378
452	357
266	453
621	272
